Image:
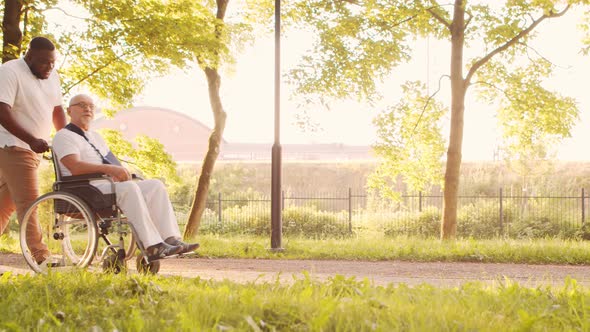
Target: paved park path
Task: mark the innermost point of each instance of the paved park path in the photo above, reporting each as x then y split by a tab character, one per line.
381	273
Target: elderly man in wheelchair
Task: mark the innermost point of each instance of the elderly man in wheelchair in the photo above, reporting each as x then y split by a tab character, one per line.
90	192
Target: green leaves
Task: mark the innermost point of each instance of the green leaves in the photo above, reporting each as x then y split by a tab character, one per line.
356	47
532	117
126	43
410	141
148	156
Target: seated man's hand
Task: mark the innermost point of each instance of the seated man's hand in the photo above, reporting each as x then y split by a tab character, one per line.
119	173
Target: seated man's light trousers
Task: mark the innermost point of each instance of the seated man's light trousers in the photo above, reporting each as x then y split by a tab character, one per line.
147	207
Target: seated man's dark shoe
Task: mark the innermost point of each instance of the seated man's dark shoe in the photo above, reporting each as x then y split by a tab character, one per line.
161	250
186	247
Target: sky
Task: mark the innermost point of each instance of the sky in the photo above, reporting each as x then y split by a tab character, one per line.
248	94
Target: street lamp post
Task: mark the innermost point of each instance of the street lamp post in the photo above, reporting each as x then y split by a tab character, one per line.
275	200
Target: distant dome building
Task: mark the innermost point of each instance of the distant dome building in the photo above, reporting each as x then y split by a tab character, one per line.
185	138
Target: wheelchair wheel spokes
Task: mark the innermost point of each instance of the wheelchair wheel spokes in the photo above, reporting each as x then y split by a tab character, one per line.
75	239
67	230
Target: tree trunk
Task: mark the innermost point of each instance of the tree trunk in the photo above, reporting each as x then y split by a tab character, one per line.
219	115
458	89
200	200
12	37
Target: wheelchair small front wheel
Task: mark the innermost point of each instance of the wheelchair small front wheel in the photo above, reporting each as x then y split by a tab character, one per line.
115	262
147	268
58	232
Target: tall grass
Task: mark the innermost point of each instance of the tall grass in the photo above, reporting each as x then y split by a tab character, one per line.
84	301
379	247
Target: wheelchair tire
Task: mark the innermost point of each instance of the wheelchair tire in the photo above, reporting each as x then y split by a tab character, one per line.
131	248
66	226
147	268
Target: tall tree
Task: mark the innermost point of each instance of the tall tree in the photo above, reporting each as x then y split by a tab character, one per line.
12	36
211	70
359	43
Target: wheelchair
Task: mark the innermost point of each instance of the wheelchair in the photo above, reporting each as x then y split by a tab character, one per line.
81	226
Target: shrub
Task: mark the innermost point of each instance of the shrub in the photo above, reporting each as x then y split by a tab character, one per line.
480	220
540	219
535	227
254	219
583	233
542	227
310	222
425	223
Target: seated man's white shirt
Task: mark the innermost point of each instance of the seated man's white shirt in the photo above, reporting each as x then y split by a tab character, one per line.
145	203
32	101
67	142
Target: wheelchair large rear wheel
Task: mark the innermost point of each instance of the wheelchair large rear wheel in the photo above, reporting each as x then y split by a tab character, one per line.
65	225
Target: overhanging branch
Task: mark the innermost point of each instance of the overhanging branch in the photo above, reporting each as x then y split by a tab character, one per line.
493	86
427	103
529	47
439	18
469	18
96	70
67	14
436	15
510	43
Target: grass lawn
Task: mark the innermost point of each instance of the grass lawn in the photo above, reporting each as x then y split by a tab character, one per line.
83	301
538	251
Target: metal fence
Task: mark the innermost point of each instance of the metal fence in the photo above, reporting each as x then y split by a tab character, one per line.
347	211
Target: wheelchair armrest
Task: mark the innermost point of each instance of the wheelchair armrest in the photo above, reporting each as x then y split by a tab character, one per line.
84	178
